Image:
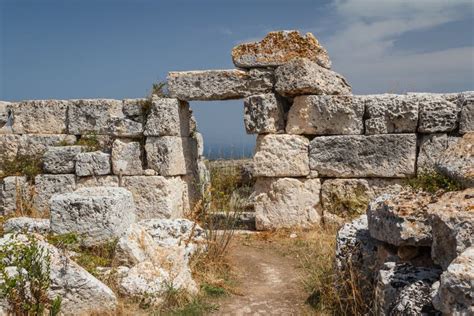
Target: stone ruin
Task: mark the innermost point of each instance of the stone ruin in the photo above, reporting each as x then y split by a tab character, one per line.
317	145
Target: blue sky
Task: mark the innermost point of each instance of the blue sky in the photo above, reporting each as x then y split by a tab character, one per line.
117	49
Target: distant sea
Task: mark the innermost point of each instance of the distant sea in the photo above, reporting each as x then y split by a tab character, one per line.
223	151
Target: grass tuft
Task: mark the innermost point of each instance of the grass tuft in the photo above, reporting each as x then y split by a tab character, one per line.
432	181
21	165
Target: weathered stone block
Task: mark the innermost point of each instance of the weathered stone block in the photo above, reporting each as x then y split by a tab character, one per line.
466	122
9	145
28	224
302	76
389	113
171	155
14	192
168	117
98	215
134	109
61	159
219	84
6	117
278	48
100	181
326	115
92	164
281	156
264	113
286	202
364	156
126	158
101	116
432	146
46	185
37	144
437	114
156	196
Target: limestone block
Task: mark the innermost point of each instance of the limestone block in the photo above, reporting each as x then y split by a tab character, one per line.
37	144
168	117
286	202
278	48
47	185
171	155
9	144
457	162
61	159
100	181
156	196
390	113
101	116
355	156
404	289
452	224
37	117
401	220
466	122
436	113
98	215
126	158
199	143
345	197
302	76
381	186
6	117
264	113
431	148
134	109
281	156
326	115
455	295
28	224
94	163
219	84
14	192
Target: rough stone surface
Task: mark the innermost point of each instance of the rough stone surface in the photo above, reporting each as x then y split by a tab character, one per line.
100	181
452	222
168	117
46	185
80	292
286	202
455	295
27	224
126	158
389	113
98	214
6	118
403	289
345	197
156	196
466	122
134	109
37	144
326	115
101	116
9	144
13	190
401	220
302	76
264	113
171	155
437	114
432	146
92	164
219	84
457	162
61	159
281	156
278	48
364	156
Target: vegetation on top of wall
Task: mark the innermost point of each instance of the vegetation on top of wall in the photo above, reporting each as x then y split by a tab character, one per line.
432	181
21	165
89	141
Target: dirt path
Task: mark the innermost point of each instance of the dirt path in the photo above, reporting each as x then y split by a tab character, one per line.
268	281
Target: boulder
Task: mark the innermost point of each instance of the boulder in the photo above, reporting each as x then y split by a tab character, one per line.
402	219
126	157
264	113
27	224
452	224
457	162
455	291
168	117
98	215
156	196
94	163
219	84
466	122
326	115
432	146
61	159
355	156
47	185
171	155
281	156
286	202
390	113
278	48
302	76
437	114
404	289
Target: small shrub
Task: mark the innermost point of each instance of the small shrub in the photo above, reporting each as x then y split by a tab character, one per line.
349	204
432	181
21	165
160	89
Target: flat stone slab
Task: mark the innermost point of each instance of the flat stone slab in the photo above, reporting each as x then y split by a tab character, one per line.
358	156
208	85
278	48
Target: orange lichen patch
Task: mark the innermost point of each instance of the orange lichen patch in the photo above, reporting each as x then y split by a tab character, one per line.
278	48
459	201
410	203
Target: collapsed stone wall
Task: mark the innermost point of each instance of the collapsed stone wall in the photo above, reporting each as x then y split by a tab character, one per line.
149	146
